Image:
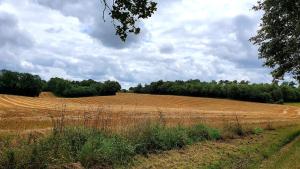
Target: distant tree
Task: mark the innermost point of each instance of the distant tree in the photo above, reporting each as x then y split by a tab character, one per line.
279	36
66	88
20	83
244	90
126	13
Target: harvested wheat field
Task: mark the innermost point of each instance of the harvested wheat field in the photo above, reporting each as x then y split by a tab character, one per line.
23	114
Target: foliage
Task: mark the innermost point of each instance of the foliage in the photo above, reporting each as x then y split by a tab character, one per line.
66	88
20	83
104	151
127	13
157	137
31	85
279	36
268	93
88	146
257	130
201	132
94	148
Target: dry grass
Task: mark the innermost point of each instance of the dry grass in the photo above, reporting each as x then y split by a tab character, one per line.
26	114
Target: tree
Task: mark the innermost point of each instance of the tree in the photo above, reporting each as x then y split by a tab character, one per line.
279	36
20	83
126	13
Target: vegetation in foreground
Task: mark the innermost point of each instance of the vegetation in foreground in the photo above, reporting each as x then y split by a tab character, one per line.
271	149
93	147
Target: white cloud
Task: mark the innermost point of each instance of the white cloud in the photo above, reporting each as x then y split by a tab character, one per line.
186	39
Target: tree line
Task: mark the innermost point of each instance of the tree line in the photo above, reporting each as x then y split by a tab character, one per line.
66	88
20	83
26	84
243	90
32	85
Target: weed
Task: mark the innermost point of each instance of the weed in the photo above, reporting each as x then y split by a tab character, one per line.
257	130
103	151
201	132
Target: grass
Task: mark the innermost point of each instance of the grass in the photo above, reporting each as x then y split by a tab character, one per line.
93	147
89	146
287	158
251	155
241	153
204	147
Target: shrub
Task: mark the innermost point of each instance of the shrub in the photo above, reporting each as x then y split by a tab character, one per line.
200	132
105	151
156	137
257	130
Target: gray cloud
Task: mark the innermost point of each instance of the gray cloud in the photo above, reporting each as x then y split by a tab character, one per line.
90	12
167	49
226	38
13	40
11	34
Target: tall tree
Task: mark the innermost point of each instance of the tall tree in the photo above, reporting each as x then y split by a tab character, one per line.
279	36
126	14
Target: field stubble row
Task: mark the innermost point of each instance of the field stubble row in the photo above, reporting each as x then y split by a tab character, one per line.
22	114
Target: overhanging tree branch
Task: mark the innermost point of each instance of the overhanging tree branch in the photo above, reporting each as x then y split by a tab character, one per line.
126	13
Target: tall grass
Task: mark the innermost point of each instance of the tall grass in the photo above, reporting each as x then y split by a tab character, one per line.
95	147
92	143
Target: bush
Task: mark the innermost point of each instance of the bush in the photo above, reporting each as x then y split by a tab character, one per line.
200	132
103	151
257	130
156	137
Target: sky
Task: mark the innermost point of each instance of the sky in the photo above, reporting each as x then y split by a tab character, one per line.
185	39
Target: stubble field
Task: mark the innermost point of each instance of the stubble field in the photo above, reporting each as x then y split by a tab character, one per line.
27	114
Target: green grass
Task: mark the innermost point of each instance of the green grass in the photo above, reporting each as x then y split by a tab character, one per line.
252	155
247	152
287	158
95	148
92	147
293	104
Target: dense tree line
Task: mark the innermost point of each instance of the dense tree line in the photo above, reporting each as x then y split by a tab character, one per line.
26	84
16	83
66	88
244	90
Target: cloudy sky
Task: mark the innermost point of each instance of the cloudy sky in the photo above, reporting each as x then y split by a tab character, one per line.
185	39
